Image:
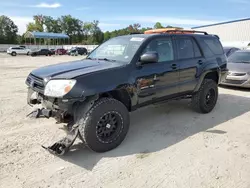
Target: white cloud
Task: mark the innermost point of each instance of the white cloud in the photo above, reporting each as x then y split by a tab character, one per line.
166	20
21	22
46	5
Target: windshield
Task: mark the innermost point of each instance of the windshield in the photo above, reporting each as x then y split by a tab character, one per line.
121	49
240	57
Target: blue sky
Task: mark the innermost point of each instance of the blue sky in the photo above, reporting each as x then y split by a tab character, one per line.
115	14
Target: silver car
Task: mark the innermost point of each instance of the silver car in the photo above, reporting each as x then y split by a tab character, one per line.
239	69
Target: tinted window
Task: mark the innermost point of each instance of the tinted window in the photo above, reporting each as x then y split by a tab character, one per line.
197	51
16	48
214	45
163	47
185	48
239	57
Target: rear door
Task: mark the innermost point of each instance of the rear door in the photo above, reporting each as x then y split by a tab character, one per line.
190	60
19	50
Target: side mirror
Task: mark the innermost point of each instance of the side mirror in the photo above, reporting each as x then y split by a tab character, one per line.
149	57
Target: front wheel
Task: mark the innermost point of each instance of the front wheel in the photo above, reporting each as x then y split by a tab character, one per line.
105	125
205	99
13	53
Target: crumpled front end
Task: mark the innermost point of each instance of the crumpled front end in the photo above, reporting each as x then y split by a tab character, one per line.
60	109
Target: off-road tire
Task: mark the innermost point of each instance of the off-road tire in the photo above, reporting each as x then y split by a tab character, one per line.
88	124
198	102
13	53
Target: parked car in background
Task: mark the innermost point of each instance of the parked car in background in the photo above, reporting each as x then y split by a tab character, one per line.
239	69
230	50
45	52
53	51
18	50
78	50
61	51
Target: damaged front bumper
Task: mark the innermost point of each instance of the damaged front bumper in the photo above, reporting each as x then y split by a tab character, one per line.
63	111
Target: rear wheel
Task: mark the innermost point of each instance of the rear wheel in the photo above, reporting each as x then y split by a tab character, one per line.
105	125
205	99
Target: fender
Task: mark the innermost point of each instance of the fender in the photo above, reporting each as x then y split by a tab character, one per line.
208	69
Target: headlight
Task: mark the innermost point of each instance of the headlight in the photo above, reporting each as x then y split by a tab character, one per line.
58	88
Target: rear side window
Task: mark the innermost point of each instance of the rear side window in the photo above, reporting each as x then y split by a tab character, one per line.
214	45
185	48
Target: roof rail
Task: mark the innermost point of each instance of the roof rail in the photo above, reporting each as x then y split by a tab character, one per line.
185	31
173	30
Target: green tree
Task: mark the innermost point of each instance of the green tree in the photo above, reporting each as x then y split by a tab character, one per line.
134	28
72	27
52	25
37	25
92	32
158	25
8	30
107	36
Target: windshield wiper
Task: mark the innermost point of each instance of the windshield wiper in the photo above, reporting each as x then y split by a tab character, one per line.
245	61
105	59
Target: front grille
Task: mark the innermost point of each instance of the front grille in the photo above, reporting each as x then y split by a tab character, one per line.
234	81
35	83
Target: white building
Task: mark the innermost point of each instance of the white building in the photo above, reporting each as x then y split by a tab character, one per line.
232	33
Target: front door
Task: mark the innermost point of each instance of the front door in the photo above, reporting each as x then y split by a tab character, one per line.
158	80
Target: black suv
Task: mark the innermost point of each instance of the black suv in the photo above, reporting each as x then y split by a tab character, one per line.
45	52
78	50
95	95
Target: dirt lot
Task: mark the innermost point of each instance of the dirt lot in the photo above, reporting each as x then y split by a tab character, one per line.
168	145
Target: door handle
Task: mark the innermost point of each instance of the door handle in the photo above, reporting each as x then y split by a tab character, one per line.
174	66
200	62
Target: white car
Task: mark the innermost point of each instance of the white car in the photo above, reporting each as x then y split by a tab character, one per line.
18	50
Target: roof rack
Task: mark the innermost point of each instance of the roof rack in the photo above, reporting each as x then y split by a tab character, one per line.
173	30
186	31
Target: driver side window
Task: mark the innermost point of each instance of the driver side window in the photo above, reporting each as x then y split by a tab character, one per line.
163	47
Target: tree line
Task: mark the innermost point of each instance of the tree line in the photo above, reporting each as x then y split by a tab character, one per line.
79	32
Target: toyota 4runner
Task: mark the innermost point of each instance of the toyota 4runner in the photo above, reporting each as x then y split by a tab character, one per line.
95	95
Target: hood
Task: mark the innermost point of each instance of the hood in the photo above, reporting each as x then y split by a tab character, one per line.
73	69
238	67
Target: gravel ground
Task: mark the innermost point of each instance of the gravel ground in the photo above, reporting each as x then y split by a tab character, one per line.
168	145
